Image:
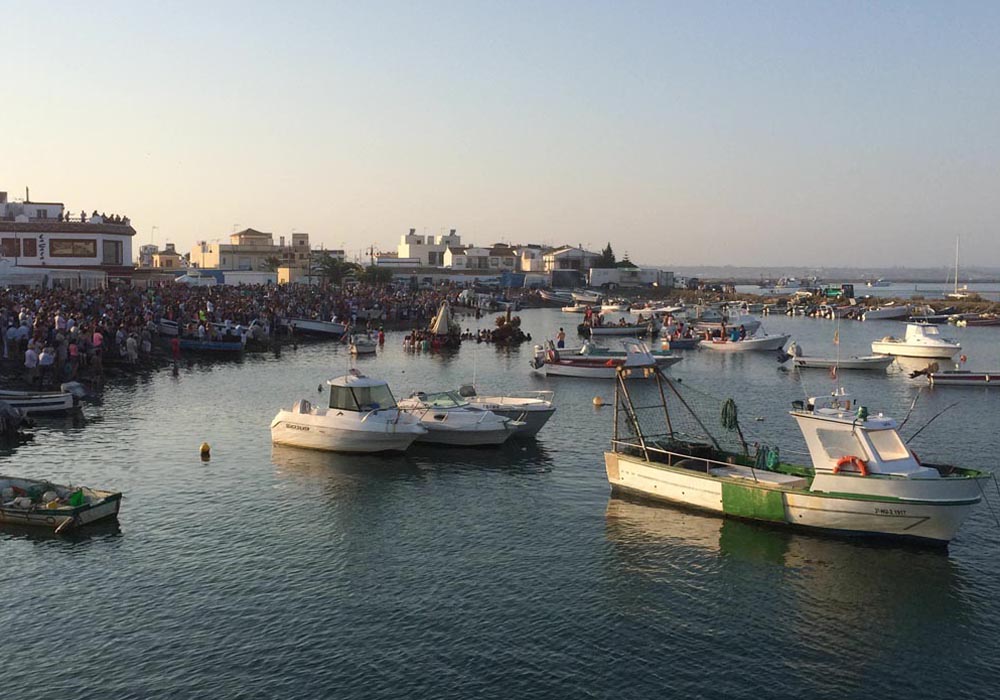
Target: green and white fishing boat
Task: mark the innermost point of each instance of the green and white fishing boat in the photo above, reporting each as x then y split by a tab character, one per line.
863	479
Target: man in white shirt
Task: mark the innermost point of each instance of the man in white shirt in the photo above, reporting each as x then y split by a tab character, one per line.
31	364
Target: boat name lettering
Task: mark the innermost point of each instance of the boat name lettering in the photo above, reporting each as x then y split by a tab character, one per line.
297	427
890	511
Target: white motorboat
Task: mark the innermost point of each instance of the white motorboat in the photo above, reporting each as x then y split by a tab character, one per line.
887	312
54	506
642	325
877	363
755	343
615	307
361	416
590	349
576	309
585	297
45	402
717	322
921	340
560	363
452	420
862	480
363	344
879	283
532	409
312	326
554	297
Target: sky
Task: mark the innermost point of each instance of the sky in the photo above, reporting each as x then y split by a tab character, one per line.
684	133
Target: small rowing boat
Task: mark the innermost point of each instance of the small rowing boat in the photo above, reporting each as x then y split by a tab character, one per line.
54	506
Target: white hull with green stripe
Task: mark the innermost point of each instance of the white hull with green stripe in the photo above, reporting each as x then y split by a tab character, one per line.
862	480
731	490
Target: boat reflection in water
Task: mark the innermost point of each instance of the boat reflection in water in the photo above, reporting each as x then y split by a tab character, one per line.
828	586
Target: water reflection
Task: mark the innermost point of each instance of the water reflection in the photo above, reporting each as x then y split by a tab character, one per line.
103	529
292	462
851	580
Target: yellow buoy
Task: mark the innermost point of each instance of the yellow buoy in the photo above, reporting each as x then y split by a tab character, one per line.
205	449
598	402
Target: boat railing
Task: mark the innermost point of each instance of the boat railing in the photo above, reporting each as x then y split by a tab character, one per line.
634	445
514	396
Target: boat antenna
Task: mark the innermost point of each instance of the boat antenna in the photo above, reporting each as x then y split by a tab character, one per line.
912	405
933	418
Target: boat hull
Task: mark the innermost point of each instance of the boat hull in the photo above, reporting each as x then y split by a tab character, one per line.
963	378
323	329
925	520
875	363
749	345
883	347
532	420
39	403
298	430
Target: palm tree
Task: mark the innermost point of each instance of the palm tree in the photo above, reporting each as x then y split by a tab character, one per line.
333	270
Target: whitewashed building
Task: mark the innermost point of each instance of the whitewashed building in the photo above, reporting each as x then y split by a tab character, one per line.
45	235
569	258
429	250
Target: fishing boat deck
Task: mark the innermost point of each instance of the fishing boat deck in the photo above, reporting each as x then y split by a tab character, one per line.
734	471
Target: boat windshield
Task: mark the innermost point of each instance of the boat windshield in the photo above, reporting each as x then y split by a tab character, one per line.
364	398
444	399
840	443
888	445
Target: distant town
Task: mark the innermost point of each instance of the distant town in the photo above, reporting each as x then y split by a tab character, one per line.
44	242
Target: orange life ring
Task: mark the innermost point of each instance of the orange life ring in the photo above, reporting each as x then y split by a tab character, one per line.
861	464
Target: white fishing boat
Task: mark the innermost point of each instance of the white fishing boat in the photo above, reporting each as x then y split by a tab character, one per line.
532	409
53	506
921	340
45	402
590	348
717	322
316	327
887	312
551	362
361	416
879	283
862	480
363	344
642	325
452	420
756	343
554	297
875	363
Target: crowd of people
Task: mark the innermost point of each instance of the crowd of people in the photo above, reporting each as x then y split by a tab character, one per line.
58	335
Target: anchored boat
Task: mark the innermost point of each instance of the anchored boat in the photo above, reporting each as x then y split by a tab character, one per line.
54	506
531	409
361	417
921	340
863	480
451	420
593	362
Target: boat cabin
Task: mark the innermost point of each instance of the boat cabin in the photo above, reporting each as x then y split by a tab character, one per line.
356	392
842	437
919	331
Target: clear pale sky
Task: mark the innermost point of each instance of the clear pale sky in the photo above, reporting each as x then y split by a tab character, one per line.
751	133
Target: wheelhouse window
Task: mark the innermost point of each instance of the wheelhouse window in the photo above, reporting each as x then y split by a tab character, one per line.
840	443
888	445
370	398
342	399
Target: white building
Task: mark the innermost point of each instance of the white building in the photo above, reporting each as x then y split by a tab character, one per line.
429	250
44	235
530	258
569	258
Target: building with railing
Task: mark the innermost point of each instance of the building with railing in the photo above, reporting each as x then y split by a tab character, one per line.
45	235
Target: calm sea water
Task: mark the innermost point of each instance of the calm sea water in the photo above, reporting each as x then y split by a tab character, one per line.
456	573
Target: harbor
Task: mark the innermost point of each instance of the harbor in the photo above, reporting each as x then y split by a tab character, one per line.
510	532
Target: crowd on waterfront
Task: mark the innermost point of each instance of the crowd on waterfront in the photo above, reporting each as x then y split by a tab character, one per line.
62	334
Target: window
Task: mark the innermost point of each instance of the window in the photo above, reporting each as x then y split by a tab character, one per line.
840	443
112	252
72	248
9	248
42	213
342	398
373	397
888	445
29	247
